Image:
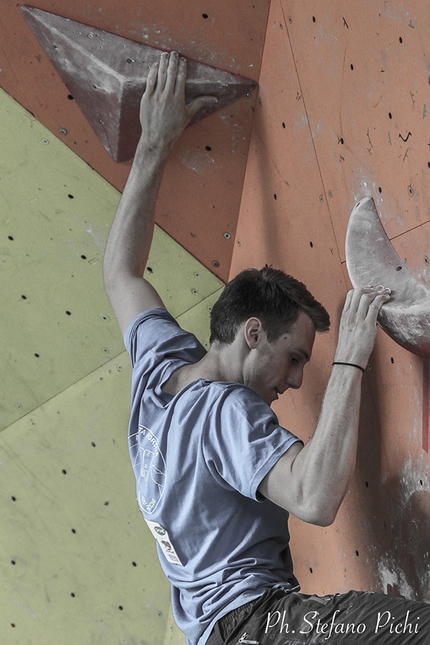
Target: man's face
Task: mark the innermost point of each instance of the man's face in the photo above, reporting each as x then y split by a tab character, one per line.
275	367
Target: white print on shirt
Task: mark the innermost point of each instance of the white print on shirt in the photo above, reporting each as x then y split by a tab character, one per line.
152	471
163	540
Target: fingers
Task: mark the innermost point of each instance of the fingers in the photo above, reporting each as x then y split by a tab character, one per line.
366	299
169	75
380	299
162	71
162	74
151	79
164	113
172	71
357	328
348	300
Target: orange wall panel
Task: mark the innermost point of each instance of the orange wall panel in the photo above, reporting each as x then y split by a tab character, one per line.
364	70
341	113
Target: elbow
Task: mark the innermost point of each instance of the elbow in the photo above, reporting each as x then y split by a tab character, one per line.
108	282
108	274
112	277
324	520
321	515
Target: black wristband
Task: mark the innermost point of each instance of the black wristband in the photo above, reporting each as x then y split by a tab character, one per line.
350	364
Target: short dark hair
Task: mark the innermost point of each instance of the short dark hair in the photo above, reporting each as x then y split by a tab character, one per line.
268	294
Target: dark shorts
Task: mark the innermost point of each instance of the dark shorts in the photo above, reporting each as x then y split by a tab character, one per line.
280	617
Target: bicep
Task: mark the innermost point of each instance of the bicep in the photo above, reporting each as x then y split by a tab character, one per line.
277	485
129	297
286	485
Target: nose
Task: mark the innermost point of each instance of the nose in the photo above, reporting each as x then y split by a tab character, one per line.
295	378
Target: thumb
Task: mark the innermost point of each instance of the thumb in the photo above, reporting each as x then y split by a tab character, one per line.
201	101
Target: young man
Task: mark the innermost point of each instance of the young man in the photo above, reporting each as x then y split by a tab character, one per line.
216	474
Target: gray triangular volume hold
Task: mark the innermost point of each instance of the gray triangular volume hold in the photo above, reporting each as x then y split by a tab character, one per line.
106	74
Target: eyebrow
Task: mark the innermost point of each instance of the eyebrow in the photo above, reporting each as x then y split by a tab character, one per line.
303	353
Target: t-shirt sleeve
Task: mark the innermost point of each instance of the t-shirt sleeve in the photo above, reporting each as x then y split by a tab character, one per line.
244	441
155	331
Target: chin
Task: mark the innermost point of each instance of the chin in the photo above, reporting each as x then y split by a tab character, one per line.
270	400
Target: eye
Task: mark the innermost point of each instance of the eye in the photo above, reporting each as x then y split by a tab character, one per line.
295	361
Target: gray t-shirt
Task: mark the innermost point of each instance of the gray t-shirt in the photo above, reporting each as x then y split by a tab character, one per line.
198	459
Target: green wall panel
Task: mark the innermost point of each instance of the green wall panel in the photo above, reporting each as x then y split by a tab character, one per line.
77	562
55	212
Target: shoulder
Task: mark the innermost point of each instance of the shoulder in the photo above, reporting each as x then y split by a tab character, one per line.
238	416
157	331
242	440
239	399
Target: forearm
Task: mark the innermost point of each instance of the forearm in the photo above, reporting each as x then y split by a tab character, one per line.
311	481
131	233
325	465
163	117
323	469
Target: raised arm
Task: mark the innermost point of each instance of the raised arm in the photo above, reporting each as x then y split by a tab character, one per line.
163	116
311	481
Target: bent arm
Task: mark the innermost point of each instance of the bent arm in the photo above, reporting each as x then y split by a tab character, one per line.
311	481
163	116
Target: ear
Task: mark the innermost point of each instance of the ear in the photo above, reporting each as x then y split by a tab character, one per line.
253	330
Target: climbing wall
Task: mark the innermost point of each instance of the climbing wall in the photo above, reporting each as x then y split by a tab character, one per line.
342	113
209	179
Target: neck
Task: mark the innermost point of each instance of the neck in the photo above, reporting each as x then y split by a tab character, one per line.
219	364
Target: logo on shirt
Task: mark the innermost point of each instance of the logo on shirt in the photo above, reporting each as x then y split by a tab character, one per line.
164	542
152	471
